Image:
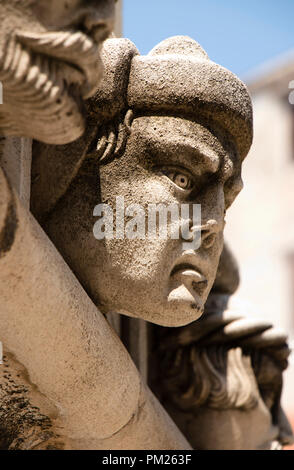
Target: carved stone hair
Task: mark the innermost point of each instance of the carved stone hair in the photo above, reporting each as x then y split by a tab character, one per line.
40	86
221	361
112	139
217	377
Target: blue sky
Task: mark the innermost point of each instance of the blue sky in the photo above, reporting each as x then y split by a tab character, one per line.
238	34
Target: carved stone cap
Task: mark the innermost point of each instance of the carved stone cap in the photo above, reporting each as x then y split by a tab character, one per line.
111	97
176	78
178	75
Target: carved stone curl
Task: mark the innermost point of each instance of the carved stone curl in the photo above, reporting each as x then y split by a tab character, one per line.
49	61
220	378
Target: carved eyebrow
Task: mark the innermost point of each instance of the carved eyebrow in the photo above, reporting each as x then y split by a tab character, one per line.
208	156
191	156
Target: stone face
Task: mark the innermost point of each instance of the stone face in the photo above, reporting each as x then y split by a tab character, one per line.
49	61
151	133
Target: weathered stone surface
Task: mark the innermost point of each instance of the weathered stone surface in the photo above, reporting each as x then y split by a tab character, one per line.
169	128
23	426
69	352
224	369
177	74
27	258
49	60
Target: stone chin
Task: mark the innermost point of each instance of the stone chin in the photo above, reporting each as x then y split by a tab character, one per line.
45	78
180	313
179	309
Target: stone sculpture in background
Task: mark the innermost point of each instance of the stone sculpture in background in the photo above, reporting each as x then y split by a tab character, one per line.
220	378
49	63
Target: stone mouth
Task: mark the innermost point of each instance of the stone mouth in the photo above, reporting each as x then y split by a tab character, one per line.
186	271
185	267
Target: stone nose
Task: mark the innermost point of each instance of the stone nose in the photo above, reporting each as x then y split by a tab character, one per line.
209	232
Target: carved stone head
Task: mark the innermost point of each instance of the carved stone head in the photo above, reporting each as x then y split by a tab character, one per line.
173	129
49	61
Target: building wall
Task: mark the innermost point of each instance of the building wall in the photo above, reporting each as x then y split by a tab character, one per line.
260	225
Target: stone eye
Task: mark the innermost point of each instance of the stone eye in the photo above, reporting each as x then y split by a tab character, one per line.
181	180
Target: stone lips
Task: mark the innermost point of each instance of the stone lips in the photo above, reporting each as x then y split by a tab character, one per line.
176	76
